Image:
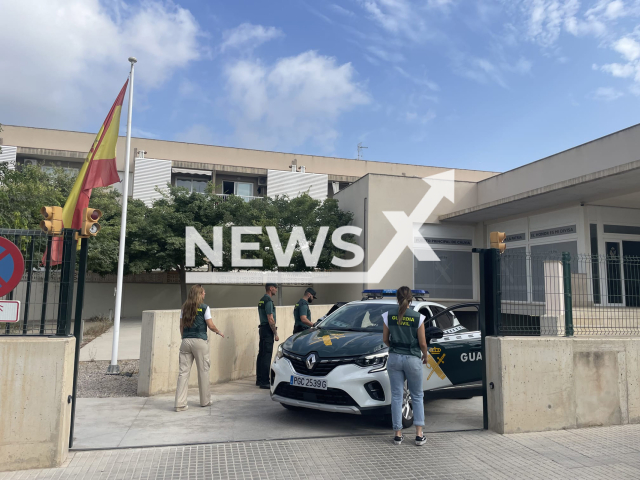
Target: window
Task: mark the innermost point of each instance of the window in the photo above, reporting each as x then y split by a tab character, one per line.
244	189
549	251
228	188
513	273
445	320
241	189
451	277
192	184
366	317
426	312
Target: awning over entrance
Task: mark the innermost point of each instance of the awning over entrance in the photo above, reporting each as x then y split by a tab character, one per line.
604	184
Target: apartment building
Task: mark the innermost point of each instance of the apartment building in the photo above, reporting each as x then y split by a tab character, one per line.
234	171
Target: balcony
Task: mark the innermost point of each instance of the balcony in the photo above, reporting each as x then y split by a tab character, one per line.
247	198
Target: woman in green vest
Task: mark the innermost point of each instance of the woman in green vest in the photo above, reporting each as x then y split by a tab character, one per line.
404	334
195	317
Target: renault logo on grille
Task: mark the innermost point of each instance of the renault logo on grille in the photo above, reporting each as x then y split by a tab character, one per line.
311	361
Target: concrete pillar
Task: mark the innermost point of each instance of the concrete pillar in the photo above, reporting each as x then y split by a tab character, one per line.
36	380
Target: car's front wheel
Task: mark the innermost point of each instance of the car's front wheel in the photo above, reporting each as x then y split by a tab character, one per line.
407	409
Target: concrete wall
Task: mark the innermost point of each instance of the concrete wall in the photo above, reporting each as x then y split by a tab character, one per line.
232	357
41	138
558	383
137	297
36	377
615	149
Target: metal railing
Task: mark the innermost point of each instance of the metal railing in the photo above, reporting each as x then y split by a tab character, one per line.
247	198
45	292
566	295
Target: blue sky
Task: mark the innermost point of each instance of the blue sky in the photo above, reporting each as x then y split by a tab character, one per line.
482	84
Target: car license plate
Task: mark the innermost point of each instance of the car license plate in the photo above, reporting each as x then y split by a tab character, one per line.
297	381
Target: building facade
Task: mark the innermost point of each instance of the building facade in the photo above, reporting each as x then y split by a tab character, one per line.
583	201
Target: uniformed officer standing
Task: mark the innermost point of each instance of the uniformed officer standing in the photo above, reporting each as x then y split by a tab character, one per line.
268	333
302	312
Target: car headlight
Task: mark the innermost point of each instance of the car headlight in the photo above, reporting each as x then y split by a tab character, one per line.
280	353
378	361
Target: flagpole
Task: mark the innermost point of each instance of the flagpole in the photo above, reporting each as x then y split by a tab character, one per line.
114	368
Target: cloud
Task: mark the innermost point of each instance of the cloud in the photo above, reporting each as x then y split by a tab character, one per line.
400	17
522	66
547	19
418	118
296	100
619	70
606	94
480	70
610	10
140	133
628	48
248	36
384	55
341	10
197	133
417	80
65	60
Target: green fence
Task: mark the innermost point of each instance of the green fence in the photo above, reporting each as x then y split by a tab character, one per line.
565	295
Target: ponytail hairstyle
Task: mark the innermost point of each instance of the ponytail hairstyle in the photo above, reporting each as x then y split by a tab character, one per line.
190	307
404	296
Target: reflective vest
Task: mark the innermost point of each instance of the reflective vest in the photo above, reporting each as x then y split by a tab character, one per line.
198	328
403	338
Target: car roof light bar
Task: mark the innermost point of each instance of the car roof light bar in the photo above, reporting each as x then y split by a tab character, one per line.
370	294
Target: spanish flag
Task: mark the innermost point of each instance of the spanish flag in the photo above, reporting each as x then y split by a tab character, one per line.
99	170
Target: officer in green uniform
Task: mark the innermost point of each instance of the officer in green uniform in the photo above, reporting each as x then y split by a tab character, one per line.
404	333
302	312
268	334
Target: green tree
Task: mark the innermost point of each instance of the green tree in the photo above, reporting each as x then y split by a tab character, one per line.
161	240
25	190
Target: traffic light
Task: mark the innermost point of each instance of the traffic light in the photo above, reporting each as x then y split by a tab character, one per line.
52	223
90	225
497	241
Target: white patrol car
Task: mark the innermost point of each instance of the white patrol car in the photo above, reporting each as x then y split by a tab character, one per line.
340	365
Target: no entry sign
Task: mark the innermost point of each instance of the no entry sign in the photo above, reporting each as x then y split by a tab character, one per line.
11	266
9	310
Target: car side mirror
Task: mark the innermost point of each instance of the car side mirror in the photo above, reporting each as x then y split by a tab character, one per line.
433	332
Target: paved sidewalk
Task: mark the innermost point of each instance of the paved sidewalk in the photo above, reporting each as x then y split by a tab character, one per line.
240	412
595	453
128	345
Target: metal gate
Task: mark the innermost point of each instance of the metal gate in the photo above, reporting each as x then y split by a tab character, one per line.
46	292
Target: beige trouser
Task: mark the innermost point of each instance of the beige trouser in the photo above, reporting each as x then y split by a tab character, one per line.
190	349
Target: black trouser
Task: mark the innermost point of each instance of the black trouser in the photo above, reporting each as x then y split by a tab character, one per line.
299	328
265	352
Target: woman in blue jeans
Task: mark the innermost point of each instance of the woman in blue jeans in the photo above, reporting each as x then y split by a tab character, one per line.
404	334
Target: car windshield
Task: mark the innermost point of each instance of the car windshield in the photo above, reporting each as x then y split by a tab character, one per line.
360	317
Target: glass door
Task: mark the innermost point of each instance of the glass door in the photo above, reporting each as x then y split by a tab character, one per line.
244	189
614	273
631	270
